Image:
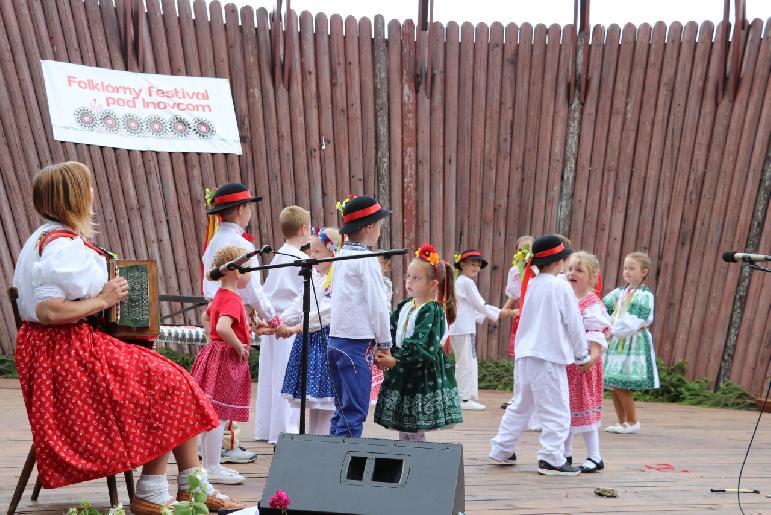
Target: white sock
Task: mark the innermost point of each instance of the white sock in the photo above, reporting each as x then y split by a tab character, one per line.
569	445
420	436
319	421
211	446
184	485
153	489
592	441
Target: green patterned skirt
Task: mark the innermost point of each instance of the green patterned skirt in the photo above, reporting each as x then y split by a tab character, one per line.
419	397
630	363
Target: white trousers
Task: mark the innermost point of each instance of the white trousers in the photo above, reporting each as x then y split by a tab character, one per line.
542	388
273	414
466	368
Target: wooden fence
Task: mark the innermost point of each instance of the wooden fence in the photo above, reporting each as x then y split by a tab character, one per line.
461	130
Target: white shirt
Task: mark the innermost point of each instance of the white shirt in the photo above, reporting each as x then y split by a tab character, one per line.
68	270
284	285
293	315
472	309
359	306
550	326
232	234
513	283
596	321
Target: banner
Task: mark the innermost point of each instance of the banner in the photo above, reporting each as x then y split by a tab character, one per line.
140	111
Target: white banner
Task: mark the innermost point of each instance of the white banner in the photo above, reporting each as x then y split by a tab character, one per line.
140	111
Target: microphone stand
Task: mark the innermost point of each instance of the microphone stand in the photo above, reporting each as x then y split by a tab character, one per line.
306	271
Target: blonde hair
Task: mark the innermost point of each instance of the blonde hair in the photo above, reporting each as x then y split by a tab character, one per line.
643	260
60	193
588	260
225	255
525	239
292	219
334	235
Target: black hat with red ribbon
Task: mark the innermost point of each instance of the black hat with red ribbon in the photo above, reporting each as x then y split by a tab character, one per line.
549	248
470	255
359	211
229	195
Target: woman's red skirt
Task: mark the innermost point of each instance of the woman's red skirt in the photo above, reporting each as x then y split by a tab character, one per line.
98	406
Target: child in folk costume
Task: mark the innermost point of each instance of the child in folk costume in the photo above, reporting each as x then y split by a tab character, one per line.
377	372
230	210
70	369
630	363
472	310
274	415
419	392
514	287
319	393
222	368
585	381
550	336
360	315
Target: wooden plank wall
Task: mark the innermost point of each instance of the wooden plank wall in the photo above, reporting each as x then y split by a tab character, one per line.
472	155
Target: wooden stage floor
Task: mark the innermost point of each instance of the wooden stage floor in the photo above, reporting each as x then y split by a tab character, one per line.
704	448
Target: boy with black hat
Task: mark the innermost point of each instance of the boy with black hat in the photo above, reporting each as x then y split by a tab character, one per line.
360	315
231	204
550	336
472	310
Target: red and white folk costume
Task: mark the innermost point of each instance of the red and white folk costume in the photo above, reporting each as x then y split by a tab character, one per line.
97	406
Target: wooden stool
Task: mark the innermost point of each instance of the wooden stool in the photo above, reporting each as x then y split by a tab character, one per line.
29	464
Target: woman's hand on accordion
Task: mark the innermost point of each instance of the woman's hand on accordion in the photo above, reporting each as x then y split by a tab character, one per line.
114	292
61	311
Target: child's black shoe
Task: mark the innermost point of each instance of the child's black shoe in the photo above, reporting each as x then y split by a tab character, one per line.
590	466
547	469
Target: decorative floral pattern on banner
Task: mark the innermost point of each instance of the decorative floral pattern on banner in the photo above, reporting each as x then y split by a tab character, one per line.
140	111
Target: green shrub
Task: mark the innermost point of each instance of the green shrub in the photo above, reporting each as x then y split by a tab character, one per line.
676	388
496	374
8	366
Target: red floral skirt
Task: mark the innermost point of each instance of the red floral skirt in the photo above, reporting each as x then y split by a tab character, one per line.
98	406
225	380
586	396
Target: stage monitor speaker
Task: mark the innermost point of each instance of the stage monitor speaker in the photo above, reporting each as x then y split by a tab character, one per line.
366	476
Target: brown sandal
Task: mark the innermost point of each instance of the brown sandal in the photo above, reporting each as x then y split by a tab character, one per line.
213	502
142	507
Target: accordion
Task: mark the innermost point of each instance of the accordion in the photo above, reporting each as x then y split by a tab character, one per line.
136	318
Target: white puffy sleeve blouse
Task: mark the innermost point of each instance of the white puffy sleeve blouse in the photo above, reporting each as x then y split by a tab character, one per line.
67	269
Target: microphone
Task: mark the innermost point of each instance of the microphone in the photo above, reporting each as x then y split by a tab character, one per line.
730	256
217	273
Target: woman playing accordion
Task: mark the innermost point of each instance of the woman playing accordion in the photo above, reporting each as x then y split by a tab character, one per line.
96	405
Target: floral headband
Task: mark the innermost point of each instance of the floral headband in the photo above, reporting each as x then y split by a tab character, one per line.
428	253
324	237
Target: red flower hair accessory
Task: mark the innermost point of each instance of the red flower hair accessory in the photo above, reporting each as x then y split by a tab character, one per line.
428	253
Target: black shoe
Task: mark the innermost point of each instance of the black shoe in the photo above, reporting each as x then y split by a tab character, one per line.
569	460
590	466
511	460
546	469
505	405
